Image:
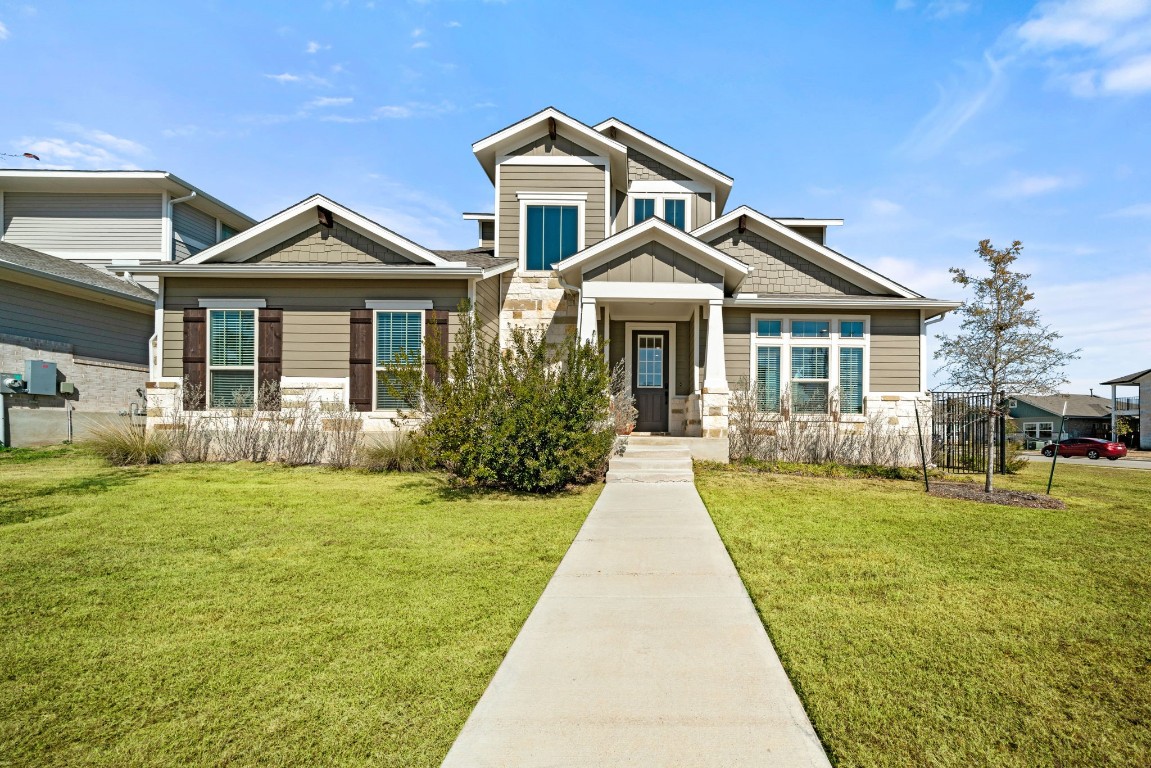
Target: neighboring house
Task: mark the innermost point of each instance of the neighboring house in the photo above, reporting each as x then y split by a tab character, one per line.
600	230
1137	410
60	233
1038	417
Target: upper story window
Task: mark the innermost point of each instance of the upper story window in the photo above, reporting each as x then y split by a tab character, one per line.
673	212
551	235
226	232
644	208
674	208
231	358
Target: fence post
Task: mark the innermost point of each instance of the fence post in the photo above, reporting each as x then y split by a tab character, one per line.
1002	433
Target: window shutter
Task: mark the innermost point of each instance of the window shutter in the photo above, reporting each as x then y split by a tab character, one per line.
435	341
195	358
269	357
360	367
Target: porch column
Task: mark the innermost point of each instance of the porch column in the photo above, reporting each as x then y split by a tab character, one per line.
588	320
715	374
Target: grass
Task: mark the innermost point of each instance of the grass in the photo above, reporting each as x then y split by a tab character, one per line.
244	614
923	631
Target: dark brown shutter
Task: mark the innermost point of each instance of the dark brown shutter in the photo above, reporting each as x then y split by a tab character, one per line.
269	357
195	358
360	361
435	342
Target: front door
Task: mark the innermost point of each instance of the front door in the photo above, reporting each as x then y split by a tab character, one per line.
649	379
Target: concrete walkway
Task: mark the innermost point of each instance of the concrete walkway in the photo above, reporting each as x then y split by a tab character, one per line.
643	650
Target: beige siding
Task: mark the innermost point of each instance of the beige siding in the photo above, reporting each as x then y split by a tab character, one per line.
549	178
51	221
93	329
652	263
338	245
702	205
778	270
620	221
544	146
815	234
489	299
316	317
894	345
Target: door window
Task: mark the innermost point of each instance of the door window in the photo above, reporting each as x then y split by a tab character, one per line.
649	362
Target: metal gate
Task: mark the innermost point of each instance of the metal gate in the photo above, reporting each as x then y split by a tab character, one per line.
959	431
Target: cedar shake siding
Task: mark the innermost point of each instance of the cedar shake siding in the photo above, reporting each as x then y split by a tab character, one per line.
894	344
316	316
549	178
653	263
640	167
85	223
338	245
778	270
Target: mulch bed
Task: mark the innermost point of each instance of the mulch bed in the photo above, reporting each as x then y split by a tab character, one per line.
974	492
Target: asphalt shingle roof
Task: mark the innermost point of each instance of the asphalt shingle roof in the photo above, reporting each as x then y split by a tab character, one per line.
1080	406
65	270
484	258
1130	379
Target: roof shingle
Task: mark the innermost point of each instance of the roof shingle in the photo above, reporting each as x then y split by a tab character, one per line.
65	270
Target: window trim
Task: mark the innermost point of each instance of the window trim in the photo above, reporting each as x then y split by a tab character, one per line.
578	199
395	306
659	198
833	343
1038	428
235	305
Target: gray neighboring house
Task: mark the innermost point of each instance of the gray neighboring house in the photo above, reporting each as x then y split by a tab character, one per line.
1038	417
61	234
1137	409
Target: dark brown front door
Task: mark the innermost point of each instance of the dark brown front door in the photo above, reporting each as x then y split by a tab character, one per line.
649	379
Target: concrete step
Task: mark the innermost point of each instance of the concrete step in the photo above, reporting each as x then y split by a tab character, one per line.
675	463
649	476
656	454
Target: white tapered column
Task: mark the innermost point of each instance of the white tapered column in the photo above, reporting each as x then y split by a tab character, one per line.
715	372
588	324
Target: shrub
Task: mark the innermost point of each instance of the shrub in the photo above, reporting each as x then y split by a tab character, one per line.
121	443
398	451
532	417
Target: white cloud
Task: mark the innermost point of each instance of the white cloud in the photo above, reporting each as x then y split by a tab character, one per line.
1019	186
904	5
421	44
286	77
942	9
328	101
95	149
418	32
881	207
957	106
926	277
411	109
314	47
1093	47
1137	211
3	31
453	25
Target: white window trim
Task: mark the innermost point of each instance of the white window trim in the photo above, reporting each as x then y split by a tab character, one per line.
1038	427
254	367
660	197
232	303
397	305
578	199
834	342
598	160
376	368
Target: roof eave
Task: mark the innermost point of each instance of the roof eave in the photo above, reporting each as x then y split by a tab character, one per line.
77	285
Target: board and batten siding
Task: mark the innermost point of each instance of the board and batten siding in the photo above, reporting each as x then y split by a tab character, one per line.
894	350
653	263
549	178
192	231
95	330
316	314
58	222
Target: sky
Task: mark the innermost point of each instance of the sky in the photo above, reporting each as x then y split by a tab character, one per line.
927	125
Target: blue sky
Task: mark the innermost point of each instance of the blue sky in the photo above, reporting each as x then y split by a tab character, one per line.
926	124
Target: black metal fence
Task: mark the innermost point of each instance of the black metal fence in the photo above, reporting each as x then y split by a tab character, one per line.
959	431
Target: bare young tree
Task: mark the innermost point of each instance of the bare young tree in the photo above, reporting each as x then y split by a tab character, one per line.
1002	346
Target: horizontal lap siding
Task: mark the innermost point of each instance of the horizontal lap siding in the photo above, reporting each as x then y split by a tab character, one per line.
894	345
83	222
316	314
93	329
188	222
549	178
488	303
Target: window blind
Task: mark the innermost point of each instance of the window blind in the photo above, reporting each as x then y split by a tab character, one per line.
767	378
399	337
232	335
851	380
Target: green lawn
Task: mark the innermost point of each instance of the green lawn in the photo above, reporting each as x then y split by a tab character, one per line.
243	614
928	632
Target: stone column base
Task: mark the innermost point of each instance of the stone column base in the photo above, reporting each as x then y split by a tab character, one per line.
713	409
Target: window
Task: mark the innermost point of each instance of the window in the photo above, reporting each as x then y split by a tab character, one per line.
674	212
817	363
644	209
231	358
552	234
226	232
1039	430
399	341
649	372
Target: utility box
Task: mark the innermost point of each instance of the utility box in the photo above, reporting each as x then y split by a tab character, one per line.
40	376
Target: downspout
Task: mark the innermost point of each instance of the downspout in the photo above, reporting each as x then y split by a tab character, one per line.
579	300
171	207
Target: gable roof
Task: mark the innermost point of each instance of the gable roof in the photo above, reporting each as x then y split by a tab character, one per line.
657	230
293	220
673	157
832	261
1132	378
488	149
70	273
1079	406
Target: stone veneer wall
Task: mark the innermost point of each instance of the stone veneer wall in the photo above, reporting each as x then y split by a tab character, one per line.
537	303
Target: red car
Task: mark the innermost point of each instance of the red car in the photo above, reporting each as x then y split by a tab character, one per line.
1091	447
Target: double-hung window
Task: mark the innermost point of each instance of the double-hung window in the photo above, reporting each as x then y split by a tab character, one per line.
552	235
399	342
812	364
231	358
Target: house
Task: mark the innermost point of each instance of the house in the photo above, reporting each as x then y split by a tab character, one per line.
60	234
1134	409
1038	417
600	230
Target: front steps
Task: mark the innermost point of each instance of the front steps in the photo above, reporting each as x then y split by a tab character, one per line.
651	460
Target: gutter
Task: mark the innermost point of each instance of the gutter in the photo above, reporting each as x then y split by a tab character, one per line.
579	299
784	302
217	269
170	246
